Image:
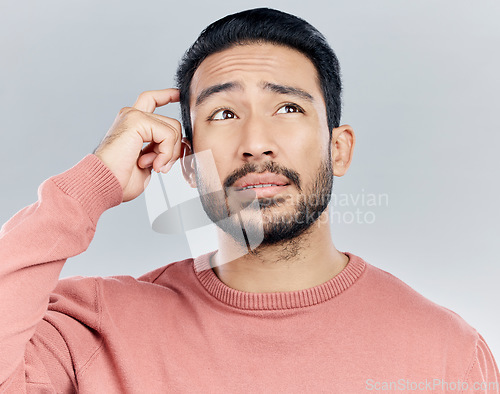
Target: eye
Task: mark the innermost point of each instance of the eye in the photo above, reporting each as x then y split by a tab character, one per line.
222	114
290	109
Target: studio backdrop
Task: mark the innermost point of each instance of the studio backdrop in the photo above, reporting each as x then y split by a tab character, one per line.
421	90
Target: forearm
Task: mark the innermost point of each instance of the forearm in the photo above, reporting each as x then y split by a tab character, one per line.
35	243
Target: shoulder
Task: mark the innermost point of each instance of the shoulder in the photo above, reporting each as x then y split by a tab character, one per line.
160	283
404	298
413	314
174	268
88	292
424	334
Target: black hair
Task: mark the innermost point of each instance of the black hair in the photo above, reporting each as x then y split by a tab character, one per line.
263	25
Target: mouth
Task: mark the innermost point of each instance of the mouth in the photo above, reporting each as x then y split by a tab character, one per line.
266	190
260	185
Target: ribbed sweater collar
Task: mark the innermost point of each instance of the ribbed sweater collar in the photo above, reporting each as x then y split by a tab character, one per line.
278	300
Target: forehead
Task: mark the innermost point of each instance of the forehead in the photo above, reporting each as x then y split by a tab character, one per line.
254	64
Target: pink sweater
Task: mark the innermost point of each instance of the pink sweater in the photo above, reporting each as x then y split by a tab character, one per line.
180	329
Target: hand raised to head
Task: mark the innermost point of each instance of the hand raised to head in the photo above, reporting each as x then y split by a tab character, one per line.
121	150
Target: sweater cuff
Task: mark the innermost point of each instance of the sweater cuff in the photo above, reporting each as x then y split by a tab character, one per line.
92	184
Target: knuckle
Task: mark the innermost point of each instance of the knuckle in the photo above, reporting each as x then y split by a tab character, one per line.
144	95
168	141
132	113
175	128
169	138
174	134
177	124
124	111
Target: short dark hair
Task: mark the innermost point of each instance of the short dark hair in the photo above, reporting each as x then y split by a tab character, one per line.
263	25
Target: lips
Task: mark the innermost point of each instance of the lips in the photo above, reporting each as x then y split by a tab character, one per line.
264	185
254	186
255	181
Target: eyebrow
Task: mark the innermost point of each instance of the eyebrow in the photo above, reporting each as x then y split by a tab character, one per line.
223	87
275	88
289	90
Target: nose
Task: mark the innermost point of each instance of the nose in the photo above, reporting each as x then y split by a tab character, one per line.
257	140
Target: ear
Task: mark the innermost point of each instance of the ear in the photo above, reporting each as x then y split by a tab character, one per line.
343	141
187	162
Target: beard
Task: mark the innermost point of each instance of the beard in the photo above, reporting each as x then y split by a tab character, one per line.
268	221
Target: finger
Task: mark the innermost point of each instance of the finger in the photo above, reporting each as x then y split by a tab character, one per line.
168	149
151	152
165	119
167	152
162	137
163	134
147	155
175	155
150	100
146	160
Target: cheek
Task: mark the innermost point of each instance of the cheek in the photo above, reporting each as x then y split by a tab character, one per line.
212	154
306	139
208	168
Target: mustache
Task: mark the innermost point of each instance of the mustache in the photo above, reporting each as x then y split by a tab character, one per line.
269	166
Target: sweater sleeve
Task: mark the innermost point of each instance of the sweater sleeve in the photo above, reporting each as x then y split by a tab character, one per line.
483	376
34	245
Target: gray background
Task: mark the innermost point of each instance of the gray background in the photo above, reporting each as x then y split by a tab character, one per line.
421	91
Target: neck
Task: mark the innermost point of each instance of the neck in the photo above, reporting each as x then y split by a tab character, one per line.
301	263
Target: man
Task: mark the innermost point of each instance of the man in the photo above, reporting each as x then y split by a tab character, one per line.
260	90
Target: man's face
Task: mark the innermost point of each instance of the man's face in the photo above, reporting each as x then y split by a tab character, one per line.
259	109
